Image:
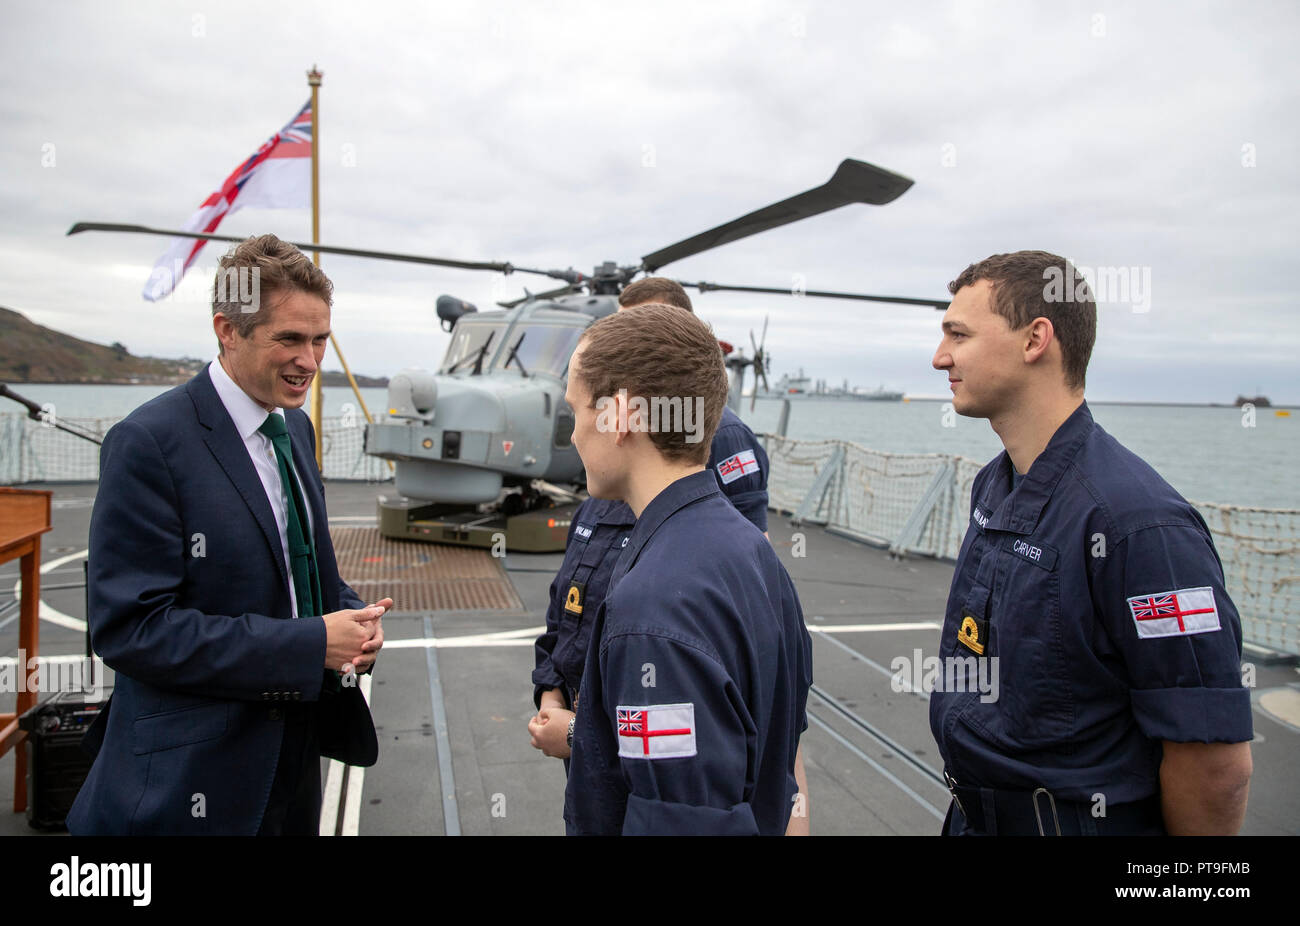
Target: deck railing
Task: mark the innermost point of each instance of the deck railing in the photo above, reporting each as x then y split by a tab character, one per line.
33	451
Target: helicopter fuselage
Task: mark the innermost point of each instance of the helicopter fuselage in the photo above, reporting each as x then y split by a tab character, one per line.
494	414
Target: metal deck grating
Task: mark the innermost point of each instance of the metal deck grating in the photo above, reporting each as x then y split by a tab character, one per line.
422	576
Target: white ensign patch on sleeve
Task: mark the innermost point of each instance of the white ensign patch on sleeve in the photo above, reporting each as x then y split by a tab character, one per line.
1172	614
656	731
742	464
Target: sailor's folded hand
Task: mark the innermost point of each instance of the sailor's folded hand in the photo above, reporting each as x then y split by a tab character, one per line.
549	731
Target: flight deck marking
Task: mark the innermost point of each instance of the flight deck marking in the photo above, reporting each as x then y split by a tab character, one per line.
446	777
527	635
329	805
355	777
523	637
50	614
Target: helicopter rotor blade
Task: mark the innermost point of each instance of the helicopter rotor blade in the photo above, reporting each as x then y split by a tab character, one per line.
703	287
852	182
498	266
548	294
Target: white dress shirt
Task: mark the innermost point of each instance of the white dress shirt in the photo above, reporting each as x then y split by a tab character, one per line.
248	416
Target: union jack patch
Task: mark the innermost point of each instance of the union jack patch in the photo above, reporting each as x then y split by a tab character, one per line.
656	731
733	467
1173	614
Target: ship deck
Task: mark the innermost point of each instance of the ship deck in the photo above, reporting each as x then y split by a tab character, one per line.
451	696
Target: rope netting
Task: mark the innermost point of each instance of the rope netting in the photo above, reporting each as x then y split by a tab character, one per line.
1260	551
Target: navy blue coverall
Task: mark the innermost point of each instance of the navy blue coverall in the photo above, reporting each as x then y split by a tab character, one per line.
1097	588
597	534
695	696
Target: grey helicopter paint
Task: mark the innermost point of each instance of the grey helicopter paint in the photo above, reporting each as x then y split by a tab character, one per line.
494	412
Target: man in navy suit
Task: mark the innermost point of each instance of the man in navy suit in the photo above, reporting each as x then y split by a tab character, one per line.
213	588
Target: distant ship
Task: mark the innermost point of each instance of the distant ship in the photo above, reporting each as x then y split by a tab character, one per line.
803	387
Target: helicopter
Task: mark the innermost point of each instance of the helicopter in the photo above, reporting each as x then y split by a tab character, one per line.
482	446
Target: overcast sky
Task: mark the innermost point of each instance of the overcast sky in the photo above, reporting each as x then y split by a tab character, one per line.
1159	137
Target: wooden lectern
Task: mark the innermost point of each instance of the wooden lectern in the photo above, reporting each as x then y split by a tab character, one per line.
24	516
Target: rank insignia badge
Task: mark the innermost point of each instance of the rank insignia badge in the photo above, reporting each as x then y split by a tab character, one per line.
573	600
972	633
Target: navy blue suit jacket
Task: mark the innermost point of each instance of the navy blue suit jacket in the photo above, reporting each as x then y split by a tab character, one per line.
189	605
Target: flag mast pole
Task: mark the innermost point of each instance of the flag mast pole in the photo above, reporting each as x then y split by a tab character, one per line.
313	81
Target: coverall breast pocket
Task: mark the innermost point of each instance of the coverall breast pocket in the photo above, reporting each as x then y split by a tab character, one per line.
1036	708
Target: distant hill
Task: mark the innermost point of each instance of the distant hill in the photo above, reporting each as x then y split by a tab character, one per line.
32	353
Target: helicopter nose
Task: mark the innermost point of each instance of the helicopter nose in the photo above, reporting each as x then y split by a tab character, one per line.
412	393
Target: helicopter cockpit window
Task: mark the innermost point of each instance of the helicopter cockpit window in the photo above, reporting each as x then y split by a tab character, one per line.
467	343
539	349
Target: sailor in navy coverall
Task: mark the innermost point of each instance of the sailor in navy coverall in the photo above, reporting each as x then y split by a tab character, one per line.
596	537
598	534
1102	657
695	697
1093	584
696	681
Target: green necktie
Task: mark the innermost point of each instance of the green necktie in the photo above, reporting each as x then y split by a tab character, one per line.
302	551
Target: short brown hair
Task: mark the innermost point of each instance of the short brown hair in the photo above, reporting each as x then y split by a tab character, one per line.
276	267
659	352
1023	290
659	290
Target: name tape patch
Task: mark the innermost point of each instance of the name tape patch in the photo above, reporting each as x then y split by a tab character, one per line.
582	531
656	731
742	464
1172	614
1034	551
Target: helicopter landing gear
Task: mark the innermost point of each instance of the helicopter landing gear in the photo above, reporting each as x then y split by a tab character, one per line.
525	521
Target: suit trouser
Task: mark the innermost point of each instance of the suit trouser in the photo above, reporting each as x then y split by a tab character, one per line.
293	808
